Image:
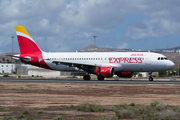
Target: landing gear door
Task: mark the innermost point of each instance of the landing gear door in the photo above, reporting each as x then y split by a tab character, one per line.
148	59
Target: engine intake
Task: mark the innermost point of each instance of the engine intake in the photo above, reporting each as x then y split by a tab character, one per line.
104	71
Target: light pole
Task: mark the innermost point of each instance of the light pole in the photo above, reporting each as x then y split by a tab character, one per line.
178	68
12	53
94	41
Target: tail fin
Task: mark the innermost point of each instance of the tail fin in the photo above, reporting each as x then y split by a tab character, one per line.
26	43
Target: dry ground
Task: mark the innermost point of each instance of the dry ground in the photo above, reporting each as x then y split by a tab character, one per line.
35	96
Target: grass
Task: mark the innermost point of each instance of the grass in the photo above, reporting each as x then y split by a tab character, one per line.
58	118
39	111
90	108
153	111
21	115
3	109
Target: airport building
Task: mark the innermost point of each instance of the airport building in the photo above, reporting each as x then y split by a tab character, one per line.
25	69
7	68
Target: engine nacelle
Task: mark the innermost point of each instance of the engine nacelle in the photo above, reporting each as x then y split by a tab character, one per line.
104	71
124	74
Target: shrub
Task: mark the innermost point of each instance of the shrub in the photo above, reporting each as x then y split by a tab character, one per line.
168	115
29	118
132	104
90	108
150	116
6	76
140	75
72	106
25	112
1	118
124	106
80	118
58	118
1	109
54	118
8	118
39	111
161	107
109	108
125	113
154	104
142	109
13	118
32	75
176	109
21	115
110	118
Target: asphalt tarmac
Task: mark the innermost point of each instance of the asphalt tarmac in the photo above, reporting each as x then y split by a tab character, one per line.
90	81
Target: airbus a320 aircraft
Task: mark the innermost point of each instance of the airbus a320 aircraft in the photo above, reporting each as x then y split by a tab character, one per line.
102	64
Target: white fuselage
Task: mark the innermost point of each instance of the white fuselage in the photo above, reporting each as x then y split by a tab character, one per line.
121	61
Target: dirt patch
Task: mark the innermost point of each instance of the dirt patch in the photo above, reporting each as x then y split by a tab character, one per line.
55	95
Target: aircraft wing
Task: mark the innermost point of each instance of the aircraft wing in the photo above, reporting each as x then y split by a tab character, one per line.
83	66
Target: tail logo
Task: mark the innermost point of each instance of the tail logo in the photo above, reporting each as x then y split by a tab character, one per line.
40	59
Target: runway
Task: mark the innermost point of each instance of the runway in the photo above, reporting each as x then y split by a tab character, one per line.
91	81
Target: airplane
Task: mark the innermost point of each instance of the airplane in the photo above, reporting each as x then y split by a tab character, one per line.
102	64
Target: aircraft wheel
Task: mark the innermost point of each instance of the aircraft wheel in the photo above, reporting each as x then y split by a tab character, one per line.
86	77
100	78
150	79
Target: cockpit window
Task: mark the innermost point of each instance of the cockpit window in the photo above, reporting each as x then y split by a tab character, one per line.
162	58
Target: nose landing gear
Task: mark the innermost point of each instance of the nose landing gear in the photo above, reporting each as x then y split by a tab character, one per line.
150	76
86	77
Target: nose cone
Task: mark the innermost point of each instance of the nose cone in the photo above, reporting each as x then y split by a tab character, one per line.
170	64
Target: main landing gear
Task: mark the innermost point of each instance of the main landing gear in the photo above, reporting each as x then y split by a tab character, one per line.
150	76
100	77
87	77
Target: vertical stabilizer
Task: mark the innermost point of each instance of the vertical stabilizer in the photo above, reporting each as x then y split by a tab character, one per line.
26	43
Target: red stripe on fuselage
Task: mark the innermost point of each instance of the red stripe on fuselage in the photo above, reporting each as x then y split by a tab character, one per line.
36	60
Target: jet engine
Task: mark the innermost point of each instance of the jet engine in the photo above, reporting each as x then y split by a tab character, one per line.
104	71
124	74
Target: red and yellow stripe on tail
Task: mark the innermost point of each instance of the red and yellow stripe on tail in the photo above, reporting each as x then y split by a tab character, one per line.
26	43
29	49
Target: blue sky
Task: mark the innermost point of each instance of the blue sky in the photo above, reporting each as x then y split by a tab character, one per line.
69	25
